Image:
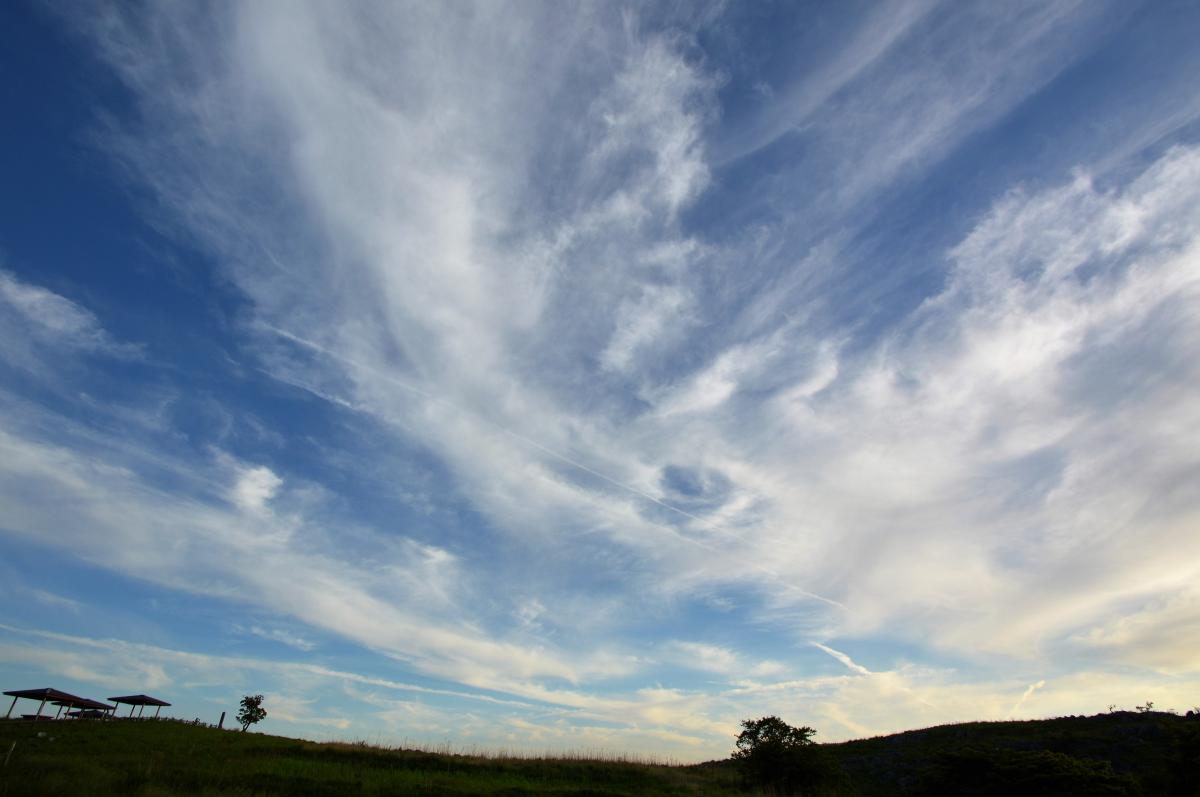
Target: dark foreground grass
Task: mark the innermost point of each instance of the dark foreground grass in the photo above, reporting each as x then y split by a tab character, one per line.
173	758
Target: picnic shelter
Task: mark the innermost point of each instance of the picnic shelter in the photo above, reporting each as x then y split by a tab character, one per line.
57	697
140	702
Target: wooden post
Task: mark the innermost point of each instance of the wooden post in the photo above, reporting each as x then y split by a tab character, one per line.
220	723
131	708
38	716
156	710
58	713
141	710
10	708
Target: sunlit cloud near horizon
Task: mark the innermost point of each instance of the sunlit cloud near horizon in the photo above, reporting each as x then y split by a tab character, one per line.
584	377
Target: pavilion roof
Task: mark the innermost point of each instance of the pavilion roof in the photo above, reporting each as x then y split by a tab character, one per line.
139	700
47	694
84	702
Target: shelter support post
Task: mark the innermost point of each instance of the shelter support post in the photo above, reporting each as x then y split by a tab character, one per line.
38	716
11	706
156	710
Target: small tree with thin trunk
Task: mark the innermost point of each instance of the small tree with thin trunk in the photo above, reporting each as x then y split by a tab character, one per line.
251	711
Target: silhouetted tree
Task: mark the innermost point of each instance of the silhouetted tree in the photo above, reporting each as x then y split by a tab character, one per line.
251	711
777	756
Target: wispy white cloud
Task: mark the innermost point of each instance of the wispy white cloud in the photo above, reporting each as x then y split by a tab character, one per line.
721	660
284	636
281	559
885	457
1160	635
32	316
792	109
657	313
56	600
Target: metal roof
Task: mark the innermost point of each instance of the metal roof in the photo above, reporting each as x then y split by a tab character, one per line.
47	694
139	700
84	702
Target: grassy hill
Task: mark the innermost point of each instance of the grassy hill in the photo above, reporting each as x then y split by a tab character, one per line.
1120	753
1109	754
174	758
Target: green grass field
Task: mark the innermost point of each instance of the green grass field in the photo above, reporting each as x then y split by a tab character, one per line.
1115	754
169	758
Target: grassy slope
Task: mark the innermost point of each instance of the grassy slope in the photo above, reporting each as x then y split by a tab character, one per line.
1157	753
164	758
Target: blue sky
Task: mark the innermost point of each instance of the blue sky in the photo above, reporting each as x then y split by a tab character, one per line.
593	377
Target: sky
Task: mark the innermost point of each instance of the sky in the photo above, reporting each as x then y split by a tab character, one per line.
594	376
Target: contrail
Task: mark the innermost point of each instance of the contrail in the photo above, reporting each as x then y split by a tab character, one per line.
283	333
1032	688
843	658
